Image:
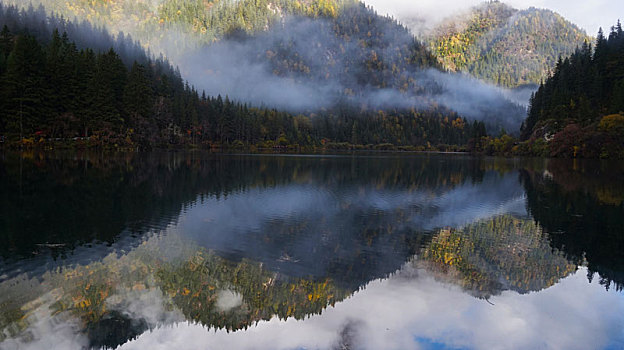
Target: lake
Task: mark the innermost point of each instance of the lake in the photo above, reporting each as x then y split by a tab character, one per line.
192	250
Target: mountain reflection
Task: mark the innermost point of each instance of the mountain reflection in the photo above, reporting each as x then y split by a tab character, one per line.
321	246
581	205
168	279
502	253
411	310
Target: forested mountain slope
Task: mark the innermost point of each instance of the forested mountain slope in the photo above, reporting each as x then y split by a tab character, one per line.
53	89
581	106
172	25
334	56
503	45
357	58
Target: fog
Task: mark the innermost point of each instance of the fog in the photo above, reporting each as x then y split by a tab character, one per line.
251	69
424	14
305	65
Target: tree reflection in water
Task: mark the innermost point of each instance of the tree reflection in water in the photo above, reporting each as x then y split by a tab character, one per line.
315	234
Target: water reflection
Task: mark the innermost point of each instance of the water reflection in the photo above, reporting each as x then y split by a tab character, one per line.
307	252
490	256
581	205
352	232
412	310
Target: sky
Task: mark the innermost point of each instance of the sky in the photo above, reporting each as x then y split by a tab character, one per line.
589	15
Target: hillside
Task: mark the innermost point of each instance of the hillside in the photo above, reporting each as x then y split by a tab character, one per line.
580	108
503	45
54	89
356	57
169	26
249	50
578	112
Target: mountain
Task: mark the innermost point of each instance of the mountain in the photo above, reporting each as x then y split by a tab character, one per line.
503	45
349	34
55	89
354	57
578	112
580	107
177	25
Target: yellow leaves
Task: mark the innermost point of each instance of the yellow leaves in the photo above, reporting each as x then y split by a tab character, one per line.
185	291
80	302
610	195
71	275
612	123
458	123
449	258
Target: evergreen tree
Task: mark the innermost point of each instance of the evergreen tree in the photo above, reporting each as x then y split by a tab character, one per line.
138	93
23	86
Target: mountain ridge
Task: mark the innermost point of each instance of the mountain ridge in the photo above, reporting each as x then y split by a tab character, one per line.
503	45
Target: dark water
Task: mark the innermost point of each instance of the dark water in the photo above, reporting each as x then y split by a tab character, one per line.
201	251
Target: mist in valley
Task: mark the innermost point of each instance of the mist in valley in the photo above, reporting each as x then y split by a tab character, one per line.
305	65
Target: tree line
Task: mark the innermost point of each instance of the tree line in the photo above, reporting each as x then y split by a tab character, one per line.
53	88
580	107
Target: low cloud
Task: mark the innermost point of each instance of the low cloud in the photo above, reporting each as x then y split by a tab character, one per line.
245	70
424	14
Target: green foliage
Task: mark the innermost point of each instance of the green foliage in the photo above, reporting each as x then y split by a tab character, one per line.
505	46
201	21
138	93
579	105
23	86
212	20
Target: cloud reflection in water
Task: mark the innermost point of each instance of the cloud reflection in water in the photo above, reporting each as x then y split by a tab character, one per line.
411	310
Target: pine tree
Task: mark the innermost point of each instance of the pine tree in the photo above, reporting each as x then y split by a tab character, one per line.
107	91
87	92
24	87
6	45
138	94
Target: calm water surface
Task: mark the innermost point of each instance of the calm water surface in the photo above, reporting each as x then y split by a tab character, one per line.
203	251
